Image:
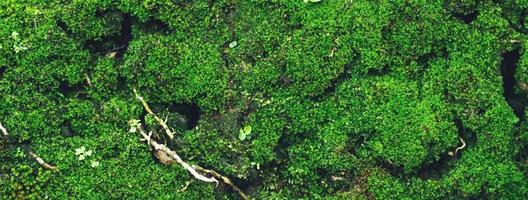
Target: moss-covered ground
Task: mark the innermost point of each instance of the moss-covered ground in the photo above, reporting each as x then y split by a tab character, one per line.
291	99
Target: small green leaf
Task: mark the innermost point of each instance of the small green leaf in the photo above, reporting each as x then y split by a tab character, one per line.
95	164
247	129
233	44
14	35
80	150
88	153
134	122
242	135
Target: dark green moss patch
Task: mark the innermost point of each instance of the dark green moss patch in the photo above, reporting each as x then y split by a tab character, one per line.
289	99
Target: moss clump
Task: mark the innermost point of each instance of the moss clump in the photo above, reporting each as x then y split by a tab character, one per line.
345	99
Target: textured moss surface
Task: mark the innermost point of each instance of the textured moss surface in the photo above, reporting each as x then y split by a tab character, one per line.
344	99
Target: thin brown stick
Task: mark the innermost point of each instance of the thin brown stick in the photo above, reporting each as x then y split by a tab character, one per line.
174	155
458	148
31	153
224	179
192	169
187	183
338	178
160	121
88	80
41	161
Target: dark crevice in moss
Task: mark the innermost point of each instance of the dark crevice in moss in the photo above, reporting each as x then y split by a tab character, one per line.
281	150
62	25
285	80
509	60
190	111
122	84
243	184
522	22
117	43
345	75
378	72
229	12
224	53
469	137
101	46
100	13
423	62
70	91
125	33
467	17
357	141
142	117
10	143
436	169
392	169
66	130
508	67
155	26
2	71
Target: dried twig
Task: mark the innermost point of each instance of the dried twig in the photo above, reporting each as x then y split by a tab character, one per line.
160	147
338	178
88	80
41	161
160	121
3	129
172	154
187	183
31	153
458	148
224	179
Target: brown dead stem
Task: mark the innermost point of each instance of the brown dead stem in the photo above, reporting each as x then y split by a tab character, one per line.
41	161
88	80
172	154
33	155
160	147
458	148
224	179
160	121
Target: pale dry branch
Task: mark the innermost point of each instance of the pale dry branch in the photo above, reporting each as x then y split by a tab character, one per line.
88	80
338	178
160	121
187	183
160	147
458	148
31	153
164	151
224	179
3	129
41	161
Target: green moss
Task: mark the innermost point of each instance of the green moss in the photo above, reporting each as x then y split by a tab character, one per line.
345	99
90	20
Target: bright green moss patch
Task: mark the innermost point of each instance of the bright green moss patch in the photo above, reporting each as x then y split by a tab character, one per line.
289	99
